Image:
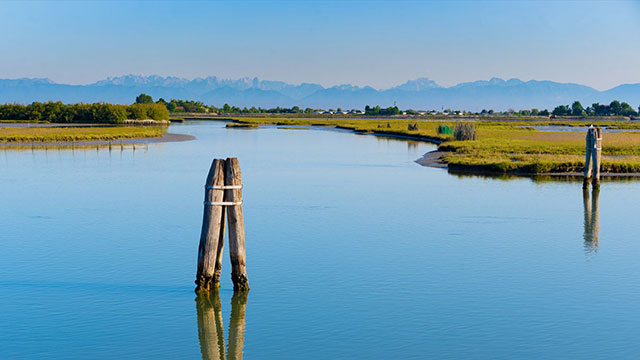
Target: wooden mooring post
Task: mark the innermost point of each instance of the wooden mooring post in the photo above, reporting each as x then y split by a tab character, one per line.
593	157
223	195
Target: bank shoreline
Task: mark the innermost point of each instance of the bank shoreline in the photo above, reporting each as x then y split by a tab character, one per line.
434	159
166	137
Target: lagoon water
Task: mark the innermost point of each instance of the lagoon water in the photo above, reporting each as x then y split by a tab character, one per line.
353	251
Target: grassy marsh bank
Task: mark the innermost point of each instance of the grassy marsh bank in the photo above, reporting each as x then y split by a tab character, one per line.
501	146
69	134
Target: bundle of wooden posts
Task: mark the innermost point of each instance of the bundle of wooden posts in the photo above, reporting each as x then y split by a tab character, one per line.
412	127
223	195
593	157
465	130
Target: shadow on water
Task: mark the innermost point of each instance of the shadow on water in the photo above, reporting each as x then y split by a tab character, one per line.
591	221
541	179
211	328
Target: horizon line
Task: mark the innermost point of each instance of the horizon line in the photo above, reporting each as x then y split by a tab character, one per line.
312	83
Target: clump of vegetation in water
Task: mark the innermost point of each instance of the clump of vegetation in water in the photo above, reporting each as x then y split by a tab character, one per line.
465	131
243	126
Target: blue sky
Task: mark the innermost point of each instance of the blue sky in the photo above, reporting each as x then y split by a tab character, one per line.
373	43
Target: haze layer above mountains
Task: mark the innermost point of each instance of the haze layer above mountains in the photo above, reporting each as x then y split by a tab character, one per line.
419	94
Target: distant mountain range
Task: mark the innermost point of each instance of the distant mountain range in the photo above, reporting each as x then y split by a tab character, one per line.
419	94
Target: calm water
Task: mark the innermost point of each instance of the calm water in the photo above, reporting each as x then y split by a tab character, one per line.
353	251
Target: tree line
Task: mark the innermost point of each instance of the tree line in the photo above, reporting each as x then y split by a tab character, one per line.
57	112
377	110
191	106
615	108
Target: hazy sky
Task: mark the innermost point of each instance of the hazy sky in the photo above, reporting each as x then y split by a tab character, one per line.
373	43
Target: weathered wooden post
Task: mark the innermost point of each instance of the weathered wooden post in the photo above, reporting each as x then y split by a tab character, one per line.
223	195
233	196
593	156
597	157
212	232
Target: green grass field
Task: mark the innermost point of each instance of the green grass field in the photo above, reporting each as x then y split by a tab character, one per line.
69	134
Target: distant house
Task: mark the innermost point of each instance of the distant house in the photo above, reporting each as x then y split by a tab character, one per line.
179	108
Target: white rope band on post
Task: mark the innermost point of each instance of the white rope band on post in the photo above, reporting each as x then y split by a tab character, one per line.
223	203
222	187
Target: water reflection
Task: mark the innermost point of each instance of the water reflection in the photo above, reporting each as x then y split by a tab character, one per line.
570	178
591	221
211	329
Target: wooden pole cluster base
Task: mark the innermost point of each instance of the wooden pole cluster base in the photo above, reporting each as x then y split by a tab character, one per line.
593	157
223	195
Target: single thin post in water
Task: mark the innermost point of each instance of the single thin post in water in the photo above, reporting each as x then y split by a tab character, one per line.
236	224
212	228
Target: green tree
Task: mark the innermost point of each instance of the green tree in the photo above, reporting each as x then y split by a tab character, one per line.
144	99
561	110
576	108
615	107
627	110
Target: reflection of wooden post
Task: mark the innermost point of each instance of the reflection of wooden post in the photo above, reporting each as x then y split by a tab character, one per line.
233	194
237	324
212	229
210	328
591	220
593	156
